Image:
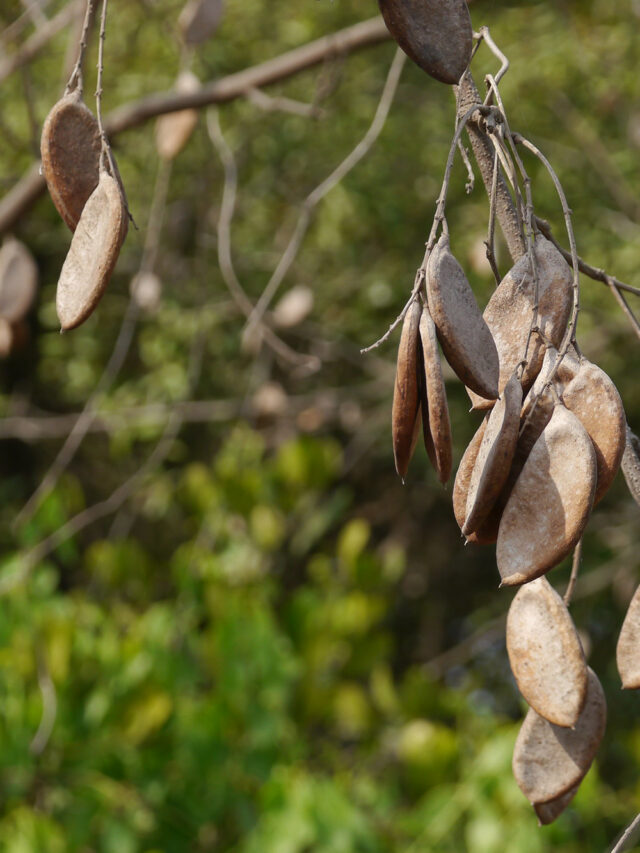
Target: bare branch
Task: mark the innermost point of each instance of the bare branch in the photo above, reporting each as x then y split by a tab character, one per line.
627	835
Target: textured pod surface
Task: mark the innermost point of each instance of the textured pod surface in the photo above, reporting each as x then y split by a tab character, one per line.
550	503
93	253
70	149
548	812
510	310
595	401
465	337
200	19
548	761
631	464
488	532
495	455
436	34
18	280
435	410
174	129
405	394
628	648
545	653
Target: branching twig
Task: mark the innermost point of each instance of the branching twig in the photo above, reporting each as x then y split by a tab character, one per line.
76	79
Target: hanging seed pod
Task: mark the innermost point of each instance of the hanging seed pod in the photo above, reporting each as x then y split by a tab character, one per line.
465	338
200	19
631	464
595	401
548	812
628	648
495	455
93	253
545	654
548	760
70	148
487	533
18	280
173	130
405	395
294	307
435	411
510	309
435	34
551	500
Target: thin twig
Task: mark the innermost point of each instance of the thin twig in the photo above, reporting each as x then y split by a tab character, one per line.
282	104
304	219
575	568
49	707
490	243
76	80
471	178
627	835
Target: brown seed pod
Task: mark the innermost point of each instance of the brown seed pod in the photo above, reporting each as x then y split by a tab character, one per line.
466	340
550	503
545	654
70	148
548	760
548	812
405	394
595	401
435	411
631	464
93	253
509	312
18	280
200	19
495	455
487	533
628	648
174	129
435	34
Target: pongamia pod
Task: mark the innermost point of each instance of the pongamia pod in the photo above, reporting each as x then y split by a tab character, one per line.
628	648
550	503
545	654
174	129
436	34
435	410
93	253
199	20
464	335
548	760
488	532
406	400
18	280
548	812
631	464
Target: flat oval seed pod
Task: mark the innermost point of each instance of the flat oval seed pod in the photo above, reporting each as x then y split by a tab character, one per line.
405	394
509	312
435	34
595	400
70	149
631	464
200	19
545	654
551	500
548	812
487	533
435	412
628	648
495	455
93	253
18	280
465	337
174	129
548	761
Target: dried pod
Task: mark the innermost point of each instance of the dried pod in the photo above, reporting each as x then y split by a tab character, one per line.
487	533
548	760
200	19
146	290
595	401
435	34
548	812
545	653
405	395
628	648
495	455
93	253
18	280
465	337
70	148
174	129
435	411
294	307
510	311
631	464
550	503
